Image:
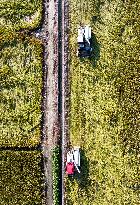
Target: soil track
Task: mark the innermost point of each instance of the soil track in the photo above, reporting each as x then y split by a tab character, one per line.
55	89
50	131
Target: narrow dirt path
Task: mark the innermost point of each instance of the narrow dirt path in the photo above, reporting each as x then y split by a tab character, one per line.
50	129
52	97
55	90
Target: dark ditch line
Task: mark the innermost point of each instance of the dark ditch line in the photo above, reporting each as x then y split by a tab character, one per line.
63	89
59	152
37	148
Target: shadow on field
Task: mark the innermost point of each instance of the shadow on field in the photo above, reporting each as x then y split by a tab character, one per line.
96	50
83	177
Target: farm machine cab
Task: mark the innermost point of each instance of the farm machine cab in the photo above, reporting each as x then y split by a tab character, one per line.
84	42
73	161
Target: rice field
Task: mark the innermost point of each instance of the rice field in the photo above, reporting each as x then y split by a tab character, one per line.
21	85
21	169
104	104
21	178
19	14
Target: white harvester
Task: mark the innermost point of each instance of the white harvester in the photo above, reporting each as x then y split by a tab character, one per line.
73	161
84	41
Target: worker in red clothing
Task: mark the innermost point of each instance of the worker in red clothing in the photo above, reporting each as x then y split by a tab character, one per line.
70	168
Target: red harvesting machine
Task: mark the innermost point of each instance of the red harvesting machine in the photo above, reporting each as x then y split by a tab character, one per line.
73	161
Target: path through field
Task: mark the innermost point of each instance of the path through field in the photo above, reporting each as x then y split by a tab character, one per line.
50	93
55	89
52	100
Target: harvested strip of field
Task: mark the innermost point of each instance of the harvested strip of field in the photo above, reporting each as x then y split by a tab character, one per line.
21	178
21	85
19	14
104	111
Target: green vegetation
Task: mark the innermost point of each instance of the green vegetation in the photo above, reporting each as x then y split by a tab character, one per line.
105	104
21	84
21	178
56	175
19	14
